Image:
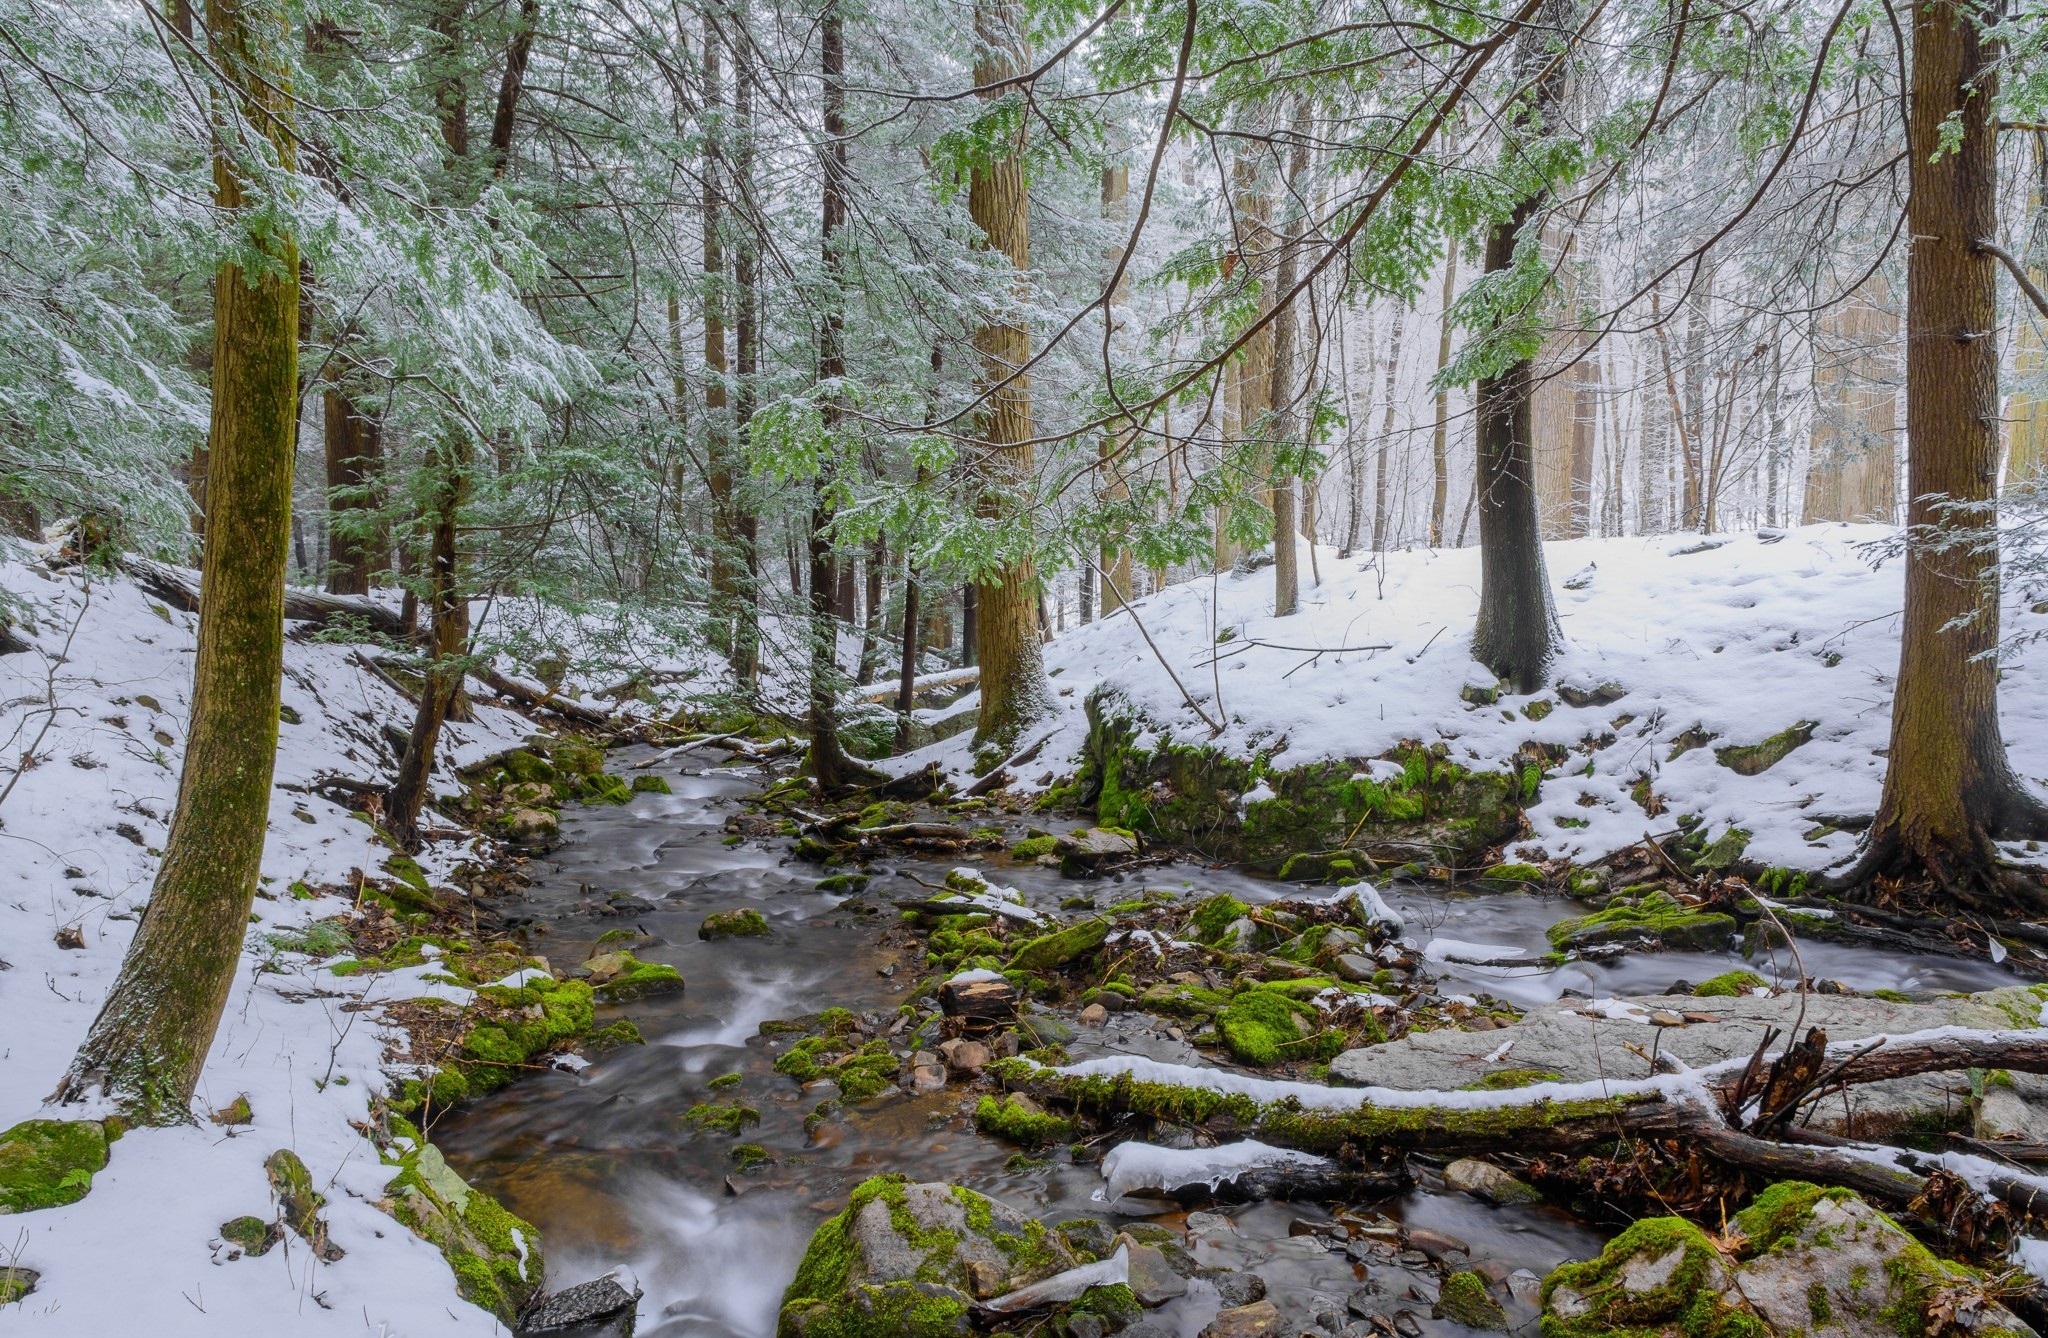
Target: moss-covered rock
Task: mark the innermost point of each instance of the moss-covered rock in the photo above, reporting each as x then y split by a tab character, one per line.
1020	1120
1753	759
1051	951
49	1163
1656	918
1264	1026
299	1204
630	978
1139	778
651	785
1661	1276
1033	847
495	1256
1728	985
743	923
1465	1300
907	1261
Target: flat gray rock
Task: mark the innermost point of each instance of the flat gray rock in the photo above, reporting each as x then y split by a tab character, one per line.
1615	1038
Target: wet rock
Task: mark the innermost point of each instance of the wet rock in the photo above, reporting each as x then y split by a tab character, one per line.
620	977
1484	1180
496	1257
1657	918
1435	1244
965	1057
1257	1320
1088	1234
600	1305
1152	1280
1239	1289
1051	951
1406	1324
1094	1015
987	1001
907	1260
927	1077
1466	1301
531	826
1084	852
1352	967
744	923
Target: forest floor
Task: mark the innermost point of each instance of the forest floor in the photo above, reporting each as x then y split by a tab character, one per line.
1680	648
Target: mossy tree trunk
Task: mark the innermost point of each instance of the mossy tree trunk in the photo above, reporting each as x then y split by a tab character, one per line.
354	440
1008	640
827	760
1949	790
147	1045
746	269
1517	632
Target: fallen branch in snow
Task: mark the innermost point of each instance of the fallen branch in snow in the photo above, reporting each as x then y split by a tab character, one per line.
180	586
945	678
536	699
1000	776
383	675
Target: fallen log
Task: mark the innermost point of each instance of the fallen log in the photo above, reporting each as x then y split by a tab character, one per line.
535	699
179	586
1000	776
945	678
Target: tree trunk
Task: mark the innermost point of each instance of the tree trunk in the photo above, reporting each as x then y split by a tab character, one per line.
1379	455
746	525
151	1037
1439	442
1284	394
355	455
2027	416
970	631
906	696
1517	634
1949	791
448	606
871	625
717	421
1115	559
1852	451
827	761
1013	693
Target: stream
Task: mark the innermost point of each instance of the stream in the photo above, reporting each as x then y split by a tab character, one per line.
601	1160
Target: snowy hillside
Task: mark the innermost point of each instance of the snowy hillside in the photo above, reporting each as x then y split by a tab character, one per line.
1698	644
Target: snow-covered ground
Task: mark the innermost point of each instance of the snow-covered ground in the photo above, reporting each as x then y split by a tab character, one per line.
109	674
1740	640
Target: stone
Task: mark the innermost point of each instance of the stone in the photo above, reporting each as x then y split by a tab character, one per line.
1435	1244
965	1057
909	1260
529	794
531	826
1665	1018
1239	1289
1465	1300
1257	1320
927	1077
1084	852
300	1203
496	1257
1559	1039
17	1281
251	1235
1484	1180
1094	1015
744	923
1152	1279
990	1001
584	1308
49	1163
1352	967
607	966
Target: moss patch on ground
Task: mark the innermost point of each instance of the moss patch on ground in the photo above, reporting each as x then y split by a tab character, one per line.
49	1163
1656	917
1728	985
744	923
495	1256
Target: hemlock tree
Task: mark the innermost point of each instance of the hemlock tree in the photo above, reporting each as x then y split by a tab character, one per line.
147	1045
1517	632
1949	791
1008	644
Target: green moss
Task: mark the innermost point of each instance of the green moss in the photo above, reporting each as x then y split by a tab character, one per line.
1539	709
716	1117
620	1033
1033	847
1684	1302
844	884
746	1156
49	1163
1755	758
1656	917
1893	996
640	980
1212	918
724	1081
1728	985
1513	873
1052	951
1263	1026
1777	1213
252	1234
604	789
651	785
1465	1300
1116	1303
1009	1119
744	923
1508	1080
821	1301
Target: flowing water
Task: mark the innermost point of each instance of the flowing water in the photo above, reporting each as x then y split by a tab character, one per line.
601	1160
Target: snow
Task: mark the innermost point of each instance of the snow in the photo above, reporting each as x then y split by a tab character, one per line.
1739	642
1458	950
1066	1286
1134	1166
109	673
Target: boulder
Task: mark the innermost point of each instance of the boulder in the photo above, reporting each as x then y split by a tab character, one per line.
910	1260
1152	1279
17	1282
600	1305
1800	1260
620	977
965	1057
1084	852
49	1163
531	826
744	923
1484	1180
496	1256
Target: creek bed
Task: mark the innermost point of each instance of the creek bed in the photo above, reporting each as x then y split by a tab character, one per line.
602	1161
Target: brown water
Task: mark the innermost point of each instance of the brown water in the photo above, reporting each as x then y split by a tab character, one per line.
603	1163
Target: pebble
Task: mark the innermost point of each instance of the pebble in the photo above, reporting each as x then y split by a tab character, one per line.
1094	1015
1663	1019
1435	1244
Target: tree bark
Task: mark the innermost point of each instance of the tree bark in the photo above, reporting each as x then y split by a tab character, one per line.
355	456
1287	421
717	424
1115	559
448	606
1009	640
1379	455
746	525
151	1037
827	760
1439	442
1949	790
1517	632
